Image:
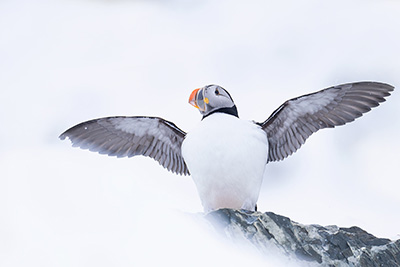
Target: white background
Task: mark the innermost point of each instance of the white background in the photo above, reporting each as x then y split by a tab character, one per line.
64	62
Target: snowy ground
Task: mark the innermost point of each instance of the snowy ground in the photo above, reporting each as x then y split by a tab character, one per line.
64	62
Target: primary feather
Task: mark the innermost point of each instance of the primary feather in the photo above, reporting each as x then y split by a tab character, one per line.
295	120
130	136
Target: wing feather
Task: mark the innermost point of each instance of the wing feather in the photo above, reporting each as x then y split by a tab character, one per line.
130	136
293	122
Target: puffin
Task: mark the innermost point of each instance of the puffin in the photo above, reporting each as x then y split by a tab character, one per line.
226	156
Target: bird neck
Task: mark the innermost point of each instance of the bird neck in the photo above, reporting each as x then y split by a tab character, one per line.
231	111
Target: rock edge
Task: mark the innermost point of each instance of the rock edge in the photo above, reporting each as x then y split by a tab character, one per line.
327	246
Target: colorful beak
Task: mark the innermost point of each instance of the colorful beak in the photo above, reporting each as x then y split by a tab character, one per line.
192	98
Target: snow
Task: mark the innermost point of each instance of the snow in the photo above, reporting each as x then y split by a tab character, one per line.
64	62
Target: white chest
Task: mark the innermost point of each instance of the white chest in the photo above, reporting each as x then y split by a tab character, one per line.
226	157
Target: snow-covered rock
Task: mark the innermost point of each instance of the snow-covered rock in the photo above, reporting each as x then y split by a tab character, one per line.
311	244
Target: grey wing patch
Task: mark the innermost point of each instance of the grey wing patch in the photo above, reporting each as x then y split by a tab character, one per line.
293	122
130	136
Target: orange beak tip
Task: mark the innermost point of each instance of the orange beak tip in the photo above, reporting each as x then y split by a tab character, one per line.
192	98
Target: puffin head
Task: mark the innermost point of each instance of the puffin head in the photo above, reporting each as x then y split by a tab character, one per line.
211	99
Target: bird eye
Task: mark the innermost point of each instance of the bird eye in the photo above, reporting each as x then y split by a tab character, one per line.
216	92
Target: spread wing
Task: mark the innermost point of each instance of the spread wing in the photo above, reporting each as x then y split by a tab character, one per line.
130	136
293	122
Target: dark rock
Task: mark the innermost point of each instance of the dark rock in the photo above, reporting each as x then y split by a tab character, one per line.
327	246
